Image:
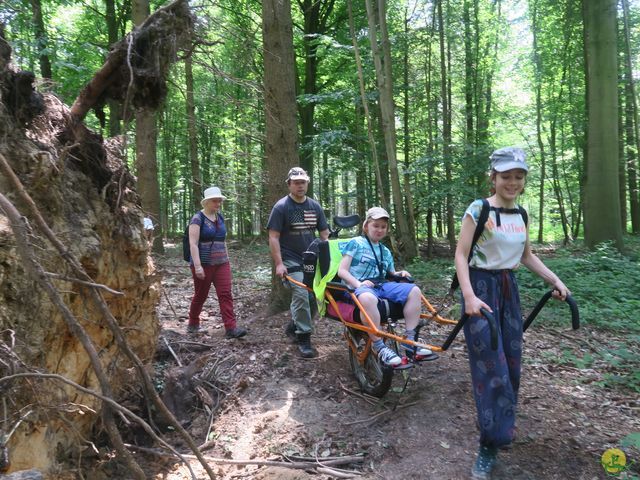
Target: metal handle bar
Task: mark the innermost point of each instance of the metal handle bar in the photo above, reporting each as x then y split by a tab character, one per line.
493	329
575	315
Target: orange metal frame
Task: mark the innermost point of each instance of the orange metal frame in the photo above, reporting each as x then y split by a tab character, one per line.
370	327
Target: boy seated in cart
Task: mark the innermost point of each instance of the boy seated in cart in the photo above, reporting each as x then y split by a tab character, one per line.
365	265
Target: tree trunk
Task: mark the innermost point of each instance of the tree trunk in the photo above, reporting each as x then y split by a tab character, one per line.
382	62
537	63
446	130
411	218
40	34
367	113
196	180
115	108
281	130
602	204
632	127
146	159
316	14
469	76
622	168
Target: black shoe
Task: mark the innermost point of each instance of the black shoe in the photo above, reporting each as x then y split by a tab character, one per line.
193	328
235	332
304	346
290	331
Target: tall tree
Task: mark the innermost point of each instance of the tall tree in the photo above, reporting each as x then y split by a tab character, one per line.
41	39
196	178
384	79
631	126
316	15
411	216
281	130
115	108
146	160
602	204
446	127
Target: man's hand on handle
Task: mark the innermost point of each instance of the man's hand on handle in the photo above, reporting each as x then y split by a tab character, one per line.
281	270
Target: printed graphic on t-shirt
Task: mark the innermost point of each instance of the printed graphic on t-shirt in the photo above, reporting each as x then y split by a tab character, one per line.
499	247
303	219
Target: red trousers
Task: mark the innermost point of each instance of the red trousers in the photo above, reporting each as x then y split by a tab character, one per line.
220	276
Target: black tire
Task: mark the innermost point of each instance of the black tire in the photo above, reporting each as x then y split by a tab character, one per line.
373	377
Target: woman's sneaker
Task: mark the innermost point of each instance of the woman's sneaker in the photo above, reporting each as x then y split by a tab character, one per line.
237	332
389	357
193	328
486	460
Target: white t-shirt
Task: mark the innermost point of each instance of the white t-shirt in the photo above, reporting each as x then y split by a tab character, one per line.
498	247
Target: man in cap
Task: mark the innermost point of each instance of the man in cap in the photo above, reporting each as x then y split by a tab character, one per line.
292	225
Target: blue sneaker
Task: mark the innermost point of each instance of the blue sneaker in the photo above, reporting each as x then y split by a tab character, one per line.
389	357
486	460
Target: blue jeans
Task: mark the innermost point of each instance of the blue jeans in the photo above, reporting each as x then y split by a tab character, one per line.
303	302
495	375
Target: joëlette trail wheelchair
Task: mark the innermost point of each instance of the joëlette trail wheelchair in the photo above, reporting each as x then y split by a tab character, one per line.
337	301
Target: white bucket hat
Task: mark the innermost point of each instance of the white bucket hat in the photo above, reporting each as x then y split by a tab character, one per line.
212	192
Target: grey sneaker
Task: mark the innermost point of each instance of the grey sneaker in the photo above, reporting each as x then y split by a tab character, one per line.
389	357
193	328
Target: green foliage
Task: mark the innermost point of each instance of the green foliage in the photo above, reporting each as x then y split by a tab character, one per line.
631	440
604	283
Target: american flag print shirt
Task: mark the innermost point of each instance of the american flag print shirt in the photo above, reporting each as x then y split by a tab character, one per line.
302	220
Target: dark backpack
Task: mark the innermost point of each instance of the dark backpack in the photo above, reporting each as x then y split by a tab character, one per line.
482	220
186	250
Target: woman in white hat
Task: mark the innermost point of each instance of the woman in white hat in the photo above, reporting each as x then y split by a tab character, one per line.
210	263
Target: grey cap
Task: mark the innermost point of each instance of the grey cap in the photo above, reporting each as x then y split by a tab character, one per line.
508	158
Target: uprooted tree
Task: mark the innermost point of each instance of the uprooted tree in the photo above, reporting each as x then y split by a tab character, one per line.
77	286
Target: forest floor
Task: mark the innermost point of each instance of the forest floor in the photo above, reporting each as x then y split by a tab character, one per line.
264	402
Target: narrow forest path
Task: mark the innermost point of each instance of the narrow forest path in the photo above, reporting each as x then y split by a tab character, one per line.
271	403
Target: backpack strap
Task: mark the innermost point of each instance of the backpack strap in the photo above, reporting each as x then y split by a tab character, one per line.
524	215
482	220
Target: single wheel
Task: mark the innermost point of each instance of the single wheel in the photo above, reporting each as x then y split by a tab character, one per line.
373	377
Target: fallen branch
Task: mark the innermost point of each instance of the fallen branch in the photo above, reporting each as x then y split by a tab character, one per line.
379	414
172	352
334	473
262	463
83	282
356	394
164	291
